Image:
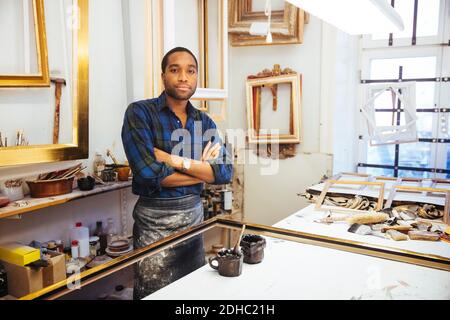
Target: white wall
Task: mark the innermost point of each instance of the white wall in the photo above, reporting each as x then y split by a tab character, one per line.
268	199
107	103
113	65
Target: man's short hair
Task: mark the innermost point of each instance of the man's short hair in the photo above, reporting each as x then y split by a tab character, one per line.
165	59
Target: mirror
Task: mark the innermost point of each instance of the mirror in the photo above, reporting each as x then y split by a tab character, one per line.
51	124
23	58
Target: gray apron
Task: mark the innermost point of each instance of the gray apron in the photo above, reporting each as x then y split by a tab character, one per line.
155	219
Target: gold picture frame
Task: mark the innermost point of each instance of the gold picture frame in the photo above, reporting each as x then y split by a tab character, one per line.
79	148
253	90
286	25
42	78
241	17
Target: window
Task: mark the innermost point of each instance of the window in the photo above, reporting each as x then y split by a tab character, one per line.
420	53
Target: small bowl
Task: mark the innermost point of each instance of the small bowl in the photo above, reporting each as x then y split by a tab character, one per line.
123	173
109	175
86	184
14	193
4	201
50	188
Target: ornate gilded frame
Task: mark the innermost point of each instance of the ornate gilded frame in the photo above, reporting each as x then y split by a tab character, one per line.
78	149
42	78
286	27
254	106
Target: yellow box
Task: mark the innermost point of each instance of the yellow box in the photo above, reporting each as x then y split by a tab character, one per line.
18	254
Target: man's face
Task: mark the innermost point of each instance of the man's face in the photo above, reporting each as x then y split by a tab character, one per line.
180	76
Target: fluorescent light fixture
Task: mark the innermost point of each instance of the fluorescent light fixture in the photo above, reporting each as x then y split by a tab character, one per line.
355	16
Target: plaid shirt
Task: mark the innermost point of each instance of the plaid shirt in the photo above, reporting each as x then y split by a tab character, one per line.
151	123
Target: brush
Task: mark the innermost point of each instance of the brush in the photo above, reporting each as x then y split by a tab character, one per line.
236	247
368	218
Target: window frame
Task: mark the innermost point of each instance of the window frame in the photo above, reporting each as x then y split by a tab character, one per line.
403	48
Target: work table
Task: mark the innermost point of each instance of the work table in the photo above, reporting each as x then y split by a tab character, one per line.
292	270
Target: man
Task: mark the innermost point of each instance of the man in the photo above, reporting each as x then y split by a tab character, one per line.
173	149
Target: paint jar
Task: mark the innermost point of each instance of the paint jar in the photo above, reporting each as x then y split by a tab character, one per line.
229	264
253	248
94	246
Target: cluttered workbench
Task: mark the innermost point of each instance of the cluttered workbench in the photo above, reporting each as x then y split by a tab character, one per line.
292	270
404	218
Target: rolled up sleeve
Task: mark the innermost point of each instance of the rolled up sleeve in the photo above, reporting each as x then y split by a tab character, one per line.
223	165
137	139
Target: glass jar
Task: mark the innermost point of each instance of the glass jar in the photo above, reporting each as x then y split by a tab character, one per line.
94	246
111	231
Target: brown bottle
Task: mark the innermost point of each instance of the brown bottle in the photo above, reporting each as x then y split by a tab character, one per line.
99	232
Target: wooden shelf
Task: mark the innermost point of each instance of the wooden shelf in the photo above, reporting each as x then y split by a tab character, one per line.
39	203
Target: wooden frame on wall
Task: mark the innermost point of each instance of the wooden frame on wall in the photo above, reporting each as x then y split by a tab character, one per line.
287	25
79	148
42	78
253	87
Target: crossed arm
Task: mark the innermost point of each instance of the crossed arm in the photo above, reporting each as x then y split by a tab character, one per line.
199	172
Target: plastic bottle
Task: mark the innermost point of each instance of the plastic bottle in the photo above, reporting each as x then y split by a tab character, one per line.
99	232
75	249
111	231
99	164
81	234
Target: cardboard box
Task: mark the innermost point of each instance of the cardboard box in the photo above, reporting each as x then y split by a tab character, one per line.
18	254
22	280
56	271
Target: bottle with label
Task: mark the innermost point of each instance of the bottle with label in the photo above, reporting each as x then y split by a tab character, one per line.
111	231
99	164
101	234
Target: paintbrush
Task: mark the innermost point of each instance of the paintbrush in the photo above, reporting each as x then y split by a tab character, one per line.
368	218
236	247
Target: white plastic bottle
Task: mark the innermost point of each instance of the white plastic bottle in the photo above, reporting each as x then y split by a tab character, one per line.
81	234
75	249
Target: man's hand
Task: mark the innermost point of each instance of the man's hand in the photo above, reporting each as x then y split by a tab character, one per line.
211	152
172	160
201	170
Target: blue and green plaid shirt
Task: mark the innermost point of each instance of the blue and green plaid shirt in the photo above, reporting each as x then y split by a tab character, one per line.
151	123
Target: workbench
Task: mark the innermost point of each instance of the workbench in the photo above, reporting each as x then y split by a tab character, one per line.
292	270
